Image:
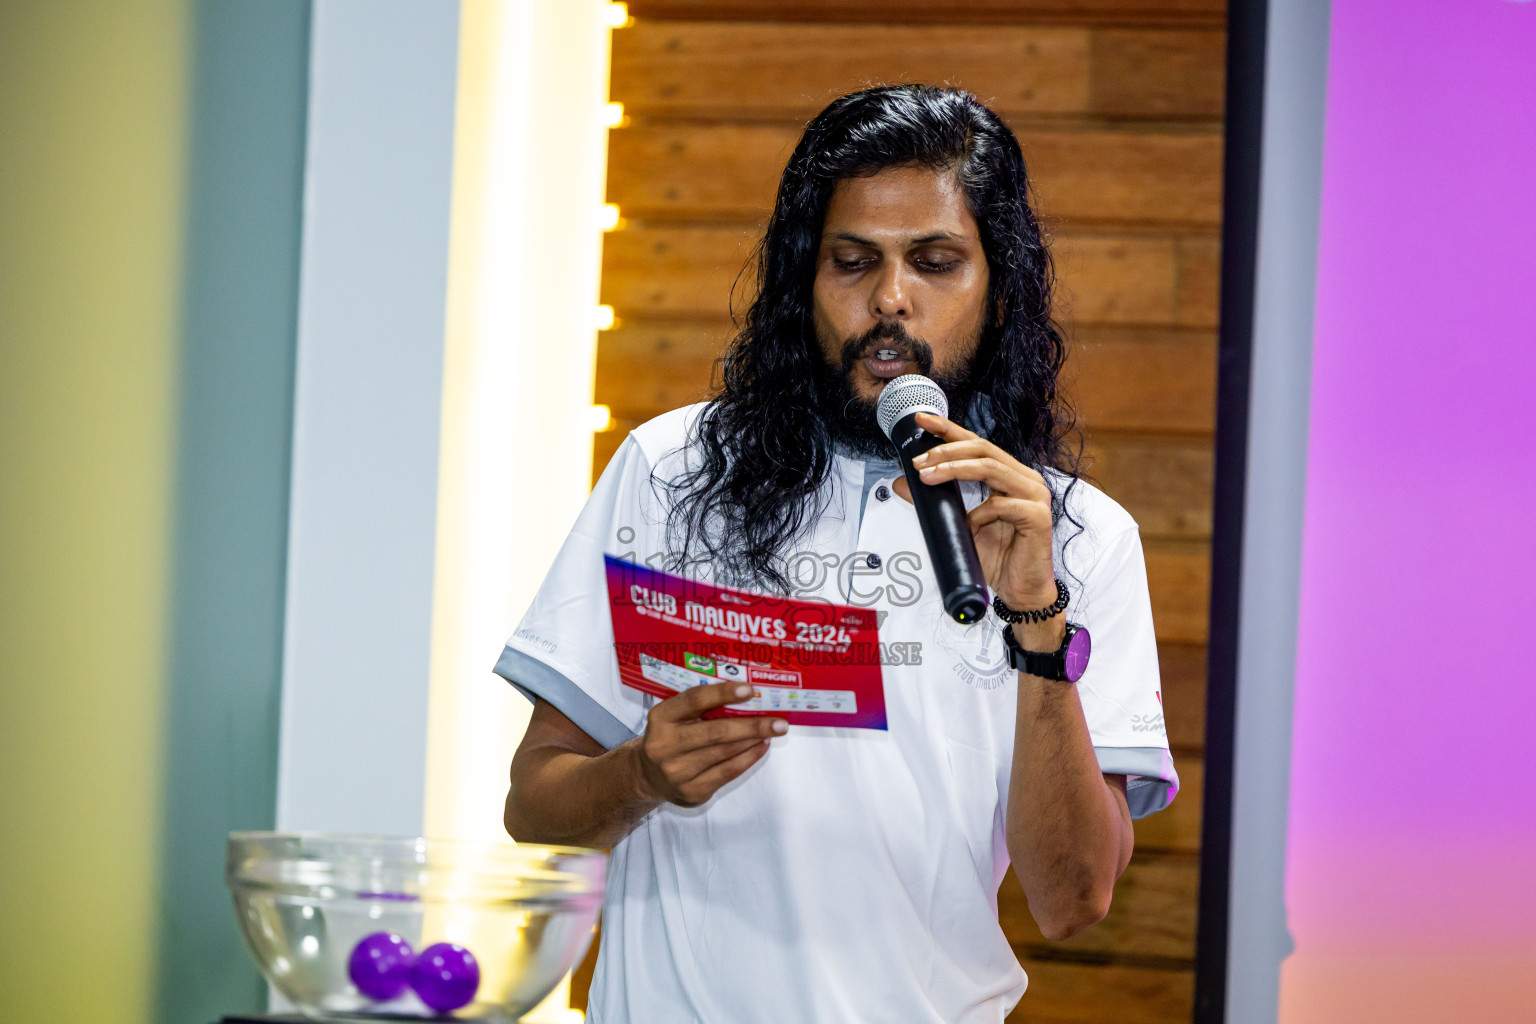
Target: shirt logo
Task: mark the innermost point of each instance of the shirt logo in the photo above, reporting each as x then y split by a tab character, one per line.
976	652
538	641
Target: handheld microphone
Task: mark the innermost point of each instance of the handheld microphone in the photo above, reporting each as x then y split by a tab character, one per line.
940	509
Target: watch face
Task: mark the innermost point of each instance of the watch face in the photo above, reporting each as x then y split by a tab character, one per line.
1076	660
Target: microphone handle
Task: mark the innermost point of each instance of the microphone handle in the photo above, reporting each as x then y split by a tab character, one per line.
946	530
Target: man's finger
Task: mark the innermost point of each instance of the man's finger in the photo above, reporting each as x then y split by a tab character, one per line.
689	768
999	478
705	785
1015	511
975	448
949	430
696	700
696	735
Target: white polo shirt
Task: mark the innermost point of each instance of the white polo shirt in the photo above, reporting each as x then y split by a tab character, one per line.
850	875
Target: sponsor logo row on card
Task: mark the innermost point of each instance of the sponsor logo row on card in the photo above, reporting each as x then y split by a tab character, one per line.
773	689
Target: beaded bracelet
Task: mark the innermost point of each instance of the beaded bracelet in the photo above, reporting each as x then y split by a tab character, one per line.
1048	612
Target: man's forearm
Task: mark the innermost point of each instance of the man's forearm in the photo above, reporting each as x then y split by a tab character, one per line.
1068	832
566	798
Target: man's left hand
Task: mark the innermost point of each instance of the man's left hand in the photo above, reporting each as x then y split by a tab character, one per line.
1012	526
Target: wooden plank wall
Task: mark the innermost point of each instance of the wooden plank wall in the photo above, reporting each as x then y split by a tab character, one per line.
1118	106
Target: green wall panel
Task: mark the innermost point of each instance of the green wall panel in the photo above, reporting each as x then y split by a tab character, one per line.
235	412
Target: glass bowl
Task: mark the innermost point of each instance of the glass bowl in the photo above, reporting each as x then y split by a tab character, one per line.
306	900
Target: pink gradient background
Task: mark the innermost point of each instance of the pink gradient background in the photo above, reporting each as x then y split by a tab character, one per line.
1411	881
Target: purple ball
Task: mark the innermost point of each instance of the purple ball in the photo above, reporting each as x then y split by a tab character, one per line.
380	965
446	976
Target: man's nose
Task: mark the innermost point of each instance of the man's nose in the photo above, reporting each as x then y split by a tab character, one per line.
890	297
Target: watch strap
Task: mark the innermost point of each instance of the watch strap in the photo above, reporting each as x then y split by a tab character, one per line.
1045	664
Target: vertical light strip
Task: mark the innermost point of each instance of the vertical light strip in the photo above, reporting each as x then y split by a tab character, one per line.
516	461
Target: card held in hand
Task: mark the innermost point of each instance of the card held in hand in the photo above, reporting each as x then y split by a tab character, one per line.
809	662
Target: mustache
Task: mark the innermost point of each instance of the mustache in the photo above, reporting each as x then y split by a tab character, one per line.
888	335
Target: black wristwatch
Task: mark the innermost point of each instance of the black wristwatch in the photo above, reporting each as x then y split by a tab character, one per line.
1066	663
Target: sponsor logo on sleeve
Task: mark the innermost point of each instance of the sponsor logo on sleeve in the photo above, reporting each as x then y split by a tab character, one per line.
530	637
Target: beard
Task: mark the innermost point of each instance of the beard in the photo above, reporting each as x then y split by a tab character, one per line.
850	417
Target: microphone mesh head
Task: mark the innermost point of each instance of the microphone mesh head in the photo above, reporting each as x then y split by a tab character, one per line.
907	394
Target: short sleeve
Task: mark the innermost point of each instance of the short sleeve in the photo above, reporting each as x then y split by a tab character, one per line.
1121	691
562	650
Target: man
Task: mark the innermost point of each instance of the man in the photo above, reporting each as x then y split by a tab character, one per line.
766	874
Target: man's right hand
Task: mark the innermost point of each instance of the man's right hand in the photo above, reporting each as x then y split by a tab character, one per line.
567	789
684	759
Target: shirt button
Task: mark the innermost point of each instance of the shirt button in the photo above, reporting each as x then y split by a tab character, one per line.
882	492
873	561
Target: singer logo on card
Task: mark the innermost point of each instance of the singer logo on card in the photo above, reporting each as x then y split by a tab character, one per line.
809	662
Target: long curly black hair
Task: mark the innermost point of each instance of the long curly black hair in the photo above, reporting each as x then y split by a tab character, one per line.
762	449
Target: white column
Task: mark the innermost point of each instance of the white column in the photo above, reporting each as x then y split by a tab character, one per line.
368	392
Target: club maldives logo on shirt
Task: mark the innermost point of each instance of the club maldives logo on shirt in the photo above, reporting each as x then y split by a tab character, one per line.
976	652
